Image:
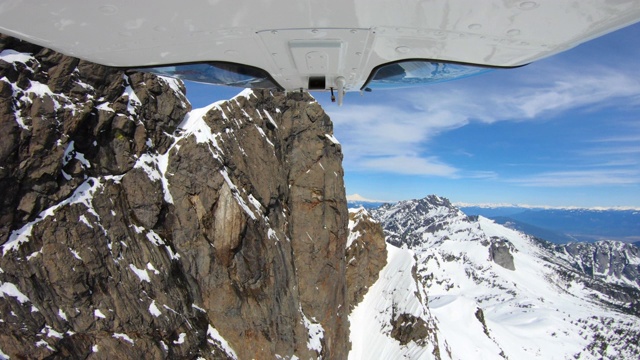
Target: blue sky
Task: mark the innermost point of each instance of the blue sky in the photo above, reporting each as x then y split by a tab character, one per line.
563	131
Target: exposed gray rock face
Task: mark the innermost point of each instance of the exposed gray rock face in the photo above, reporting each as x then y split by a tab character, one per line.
127	232
611	268
500	253
605	259
366	254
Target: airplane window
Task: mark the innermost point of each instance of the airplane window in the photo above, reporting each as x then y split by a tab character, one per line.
418	72
218	73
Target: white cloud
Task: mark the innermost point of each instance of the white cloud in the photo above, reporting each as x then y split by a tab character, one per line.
596	177
533	92
394	134
619	150
623	138
410	165
358	197
481	175
388	138
560	91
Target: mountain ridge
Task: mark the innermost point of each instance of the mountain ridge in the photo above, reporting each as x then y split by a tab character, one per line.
518	207
578	224
585	225
517	296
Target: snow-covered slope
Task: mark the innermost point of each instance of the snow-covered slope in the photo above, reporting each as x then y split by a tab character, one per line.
395	300
494	292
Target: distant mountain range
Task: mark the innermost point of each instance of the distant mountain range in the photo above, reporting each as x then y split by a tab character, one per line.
365	204
356	201
565	225
558	226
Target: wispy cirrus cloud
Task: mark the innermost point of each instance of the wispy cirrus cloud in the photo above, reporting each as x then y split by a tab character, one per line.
578	178
634	138
389	138
554	91
411	165
613	150
620	152
529	93
600	161
393	135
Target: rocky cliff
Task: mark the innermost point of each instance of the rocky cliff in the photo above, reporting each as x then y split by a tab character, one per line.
612	261
366	254
133	227
390	318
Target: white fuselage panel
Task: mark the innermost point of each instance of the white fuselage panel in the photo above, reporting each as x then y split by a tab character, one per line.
293	40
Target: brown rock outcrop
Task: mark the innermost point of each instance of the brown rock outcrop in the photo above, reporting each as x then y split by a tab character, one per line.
366	254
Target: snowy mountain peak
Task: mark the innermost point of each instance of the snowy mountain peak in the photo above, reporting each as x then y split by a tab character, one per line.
406	223
497	293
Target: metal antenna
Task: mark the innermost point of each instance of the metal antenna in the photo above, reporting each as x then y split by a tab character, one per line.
340	82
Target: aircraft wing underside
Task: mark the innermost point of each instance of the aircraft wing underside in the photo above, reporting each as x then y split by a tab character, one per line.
292	44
